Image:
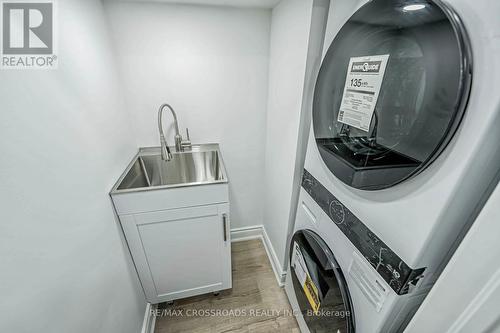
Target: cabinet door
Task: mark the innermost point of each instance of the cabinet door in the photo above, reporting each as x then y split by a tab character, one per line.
181	252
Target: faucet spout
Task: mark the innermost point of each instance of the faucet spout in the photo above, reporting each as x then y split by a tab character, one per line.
166	155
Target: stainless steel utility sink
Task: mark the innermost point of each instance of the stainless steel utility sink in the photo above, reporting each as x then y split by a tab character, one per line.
147	171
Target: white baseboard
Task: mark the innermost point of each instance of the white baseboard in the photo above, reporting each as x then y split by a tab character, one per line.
246	233
259	232
273	258
148	325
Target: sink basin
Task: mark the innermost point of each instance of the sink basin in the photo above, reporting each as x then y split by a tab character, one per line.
147	171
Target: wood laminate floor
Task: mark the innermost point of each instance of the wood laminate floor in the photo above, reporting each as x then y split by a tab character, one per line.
255	304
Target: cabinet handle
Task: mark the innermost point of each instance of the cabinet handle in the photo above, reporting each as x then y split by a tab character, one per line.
224	223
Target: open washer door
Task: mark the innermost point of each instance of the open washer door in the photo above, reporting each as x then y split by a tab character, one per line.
319	285
391	91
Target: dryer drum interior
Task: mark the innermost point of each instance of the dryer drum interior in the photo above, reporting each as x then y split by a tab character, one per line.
391	91
334	313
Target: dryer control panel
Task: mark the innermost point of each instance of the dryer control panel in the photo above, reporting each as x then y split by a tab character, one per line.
389	267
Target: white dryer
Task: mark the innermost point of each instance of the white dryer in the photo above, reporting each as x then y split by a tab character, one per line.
402	153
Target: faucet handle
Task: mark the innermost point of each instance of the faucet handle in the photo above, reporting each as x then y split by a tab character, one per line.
186	144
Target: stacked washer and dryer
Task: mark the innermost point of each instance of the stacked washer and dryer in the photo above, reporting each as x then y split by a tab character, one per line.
404	147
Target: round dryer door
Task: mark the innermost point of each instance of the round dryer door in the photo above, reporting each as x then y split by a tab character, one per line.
319	285
391	91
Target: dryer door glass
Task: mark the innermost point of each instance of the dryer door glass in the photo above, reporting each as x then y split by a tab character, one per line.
319	285
391	91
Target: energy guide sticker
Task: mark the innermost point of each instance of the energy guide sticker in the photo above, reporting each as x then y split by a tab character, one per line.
362	87
299	264
304	278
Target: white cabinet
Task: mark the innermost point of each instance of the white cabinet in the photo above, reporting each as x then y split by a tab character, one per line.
181	252
177	228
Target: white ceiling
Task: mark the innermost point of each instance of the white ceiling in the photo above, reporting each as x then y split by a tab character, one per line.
232	3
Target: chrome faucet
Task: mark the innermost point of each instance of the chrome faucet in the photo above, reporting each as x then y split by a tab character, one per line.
180	144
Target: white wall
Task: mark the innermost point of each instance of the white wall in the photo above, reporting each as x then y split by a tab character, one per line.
211	65
232	3
319	19
291	22
466	297
64	139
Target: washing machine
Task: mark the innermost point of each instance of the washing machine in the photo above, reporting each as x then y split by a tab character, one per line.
403	151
